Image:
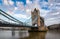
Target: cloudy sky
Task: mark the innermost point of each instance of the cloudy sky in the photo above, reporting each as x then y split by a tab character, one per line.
21	9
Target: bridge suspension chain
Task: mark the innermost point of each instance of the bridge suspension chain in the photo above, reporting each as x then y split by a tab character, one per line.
9	17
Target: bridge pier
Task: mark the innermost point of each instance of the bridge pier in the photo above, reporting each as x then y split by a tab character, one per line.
39	29
42	28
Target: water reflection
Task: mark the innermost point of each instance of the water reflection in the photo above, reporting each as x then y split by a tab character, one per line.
36	35
13	32
53	34
24	34
20	34
7	34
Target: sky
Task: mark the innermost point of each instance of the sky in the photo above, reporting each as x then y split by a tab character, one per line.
21	9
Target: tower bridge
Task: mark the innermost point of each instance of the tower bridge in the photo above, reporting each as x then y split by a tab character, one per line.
37	21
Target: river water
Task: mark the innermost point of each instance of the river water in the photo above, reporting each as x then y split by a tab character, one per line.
24	34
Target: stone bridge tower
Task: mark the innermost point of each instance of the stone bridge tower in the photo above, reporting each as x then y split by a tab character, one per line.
36	16
37	20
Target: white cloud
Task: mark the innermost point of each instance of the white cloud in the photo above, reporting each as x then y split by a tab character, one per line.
11	2
16	8
33	5
28	1
6	2
43	12
20	6
50	19
51	1
8	5
53	18
52	22
21	16
57	3
57	13
28	10
11	13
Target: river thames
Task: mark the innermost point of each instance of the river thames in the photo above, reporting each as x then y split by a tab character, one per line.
24	34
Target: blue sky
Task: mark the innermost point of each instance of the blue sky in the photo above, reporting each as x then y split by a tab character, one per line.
21	9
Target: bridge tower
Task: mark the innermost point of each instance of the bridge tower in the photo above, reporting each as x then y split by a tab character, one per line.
37	20
36	16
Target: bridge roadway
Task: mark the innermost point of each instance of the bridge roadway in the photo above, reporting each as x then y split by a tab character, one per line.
2	24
